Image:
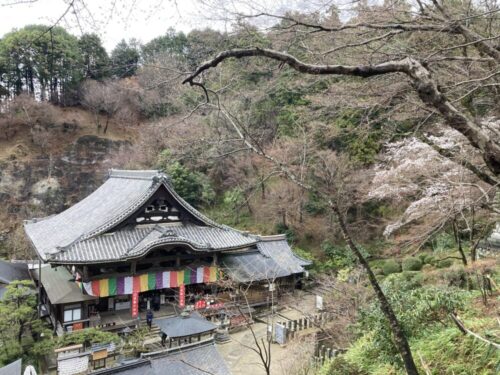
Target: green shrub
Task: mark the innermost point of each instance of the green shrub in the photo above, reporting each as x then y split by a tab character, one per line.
430	259
391	266
427	267
444	263
304	254
456	277
378	271
443	242
340	366
451	352
286	230
340	256
406	280
418	310
412	264
193	186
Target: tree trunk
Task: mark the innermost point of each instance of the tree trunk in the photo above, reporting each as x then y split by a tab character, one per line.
398	334
458	241
107	123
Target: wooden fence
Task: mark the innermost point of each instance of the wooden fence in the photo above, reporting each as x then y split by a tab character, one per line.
286	330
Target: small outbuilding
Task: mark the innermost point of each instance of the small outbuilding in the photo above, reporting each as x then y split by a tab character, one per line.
186	328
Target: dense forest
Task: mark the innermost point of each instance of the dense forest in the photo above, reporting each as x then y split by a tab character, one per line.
372	144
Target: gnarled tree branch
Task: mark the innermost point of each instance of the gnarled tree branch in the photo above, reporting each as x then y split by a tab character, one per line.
421	78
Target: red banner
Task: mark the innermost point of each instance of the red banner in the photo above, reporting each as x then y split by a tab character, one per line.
201	304
135	304
182	295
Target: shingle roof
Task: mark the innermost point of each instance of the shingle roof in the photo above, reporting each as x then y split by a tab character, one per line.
13	271
181	326
78	228
200	360
272	259
13	368
60	286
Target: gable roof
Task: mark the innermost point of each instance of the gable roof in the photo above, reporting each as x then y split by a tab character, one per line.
180	326
13	271
120	196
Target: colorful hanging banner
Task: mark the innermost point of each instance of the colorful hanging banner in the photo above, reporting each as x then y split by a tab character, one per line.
124	285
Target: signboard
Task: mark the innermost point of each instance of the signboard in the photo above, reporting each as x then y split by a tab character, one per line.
135	305
182	296
100	354
280	334
319	302
111	303
77	326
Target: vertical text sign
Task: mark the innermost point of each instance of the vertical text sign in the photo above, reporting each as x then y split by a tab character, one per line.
182	295
135	304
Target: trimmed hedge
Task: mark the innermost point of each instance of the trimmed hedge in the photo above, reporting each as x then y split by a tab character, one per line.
444	263
391	266
412	264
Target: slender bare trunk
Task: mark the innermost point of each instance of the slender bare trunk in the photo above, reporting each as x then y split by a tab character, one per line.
398	334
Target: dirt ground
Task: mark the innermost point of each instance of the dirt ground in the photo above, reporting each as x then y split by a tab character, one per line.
242	360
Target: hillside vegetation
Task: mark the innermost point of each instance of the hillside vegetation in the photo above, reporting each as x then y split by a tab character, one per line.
381	178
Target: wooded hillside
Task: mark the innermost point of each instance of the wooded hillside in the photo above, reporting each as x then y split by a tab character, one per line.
373	143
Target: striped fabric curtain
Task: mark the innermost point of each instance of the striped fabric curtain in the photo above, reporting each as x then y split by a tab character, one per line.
150	281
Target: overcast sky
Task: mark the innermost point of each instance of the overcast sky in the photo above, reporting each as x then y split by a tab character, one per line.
112	20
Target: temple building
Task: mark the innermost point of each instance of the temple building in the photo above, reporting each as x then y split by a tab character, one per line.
134	244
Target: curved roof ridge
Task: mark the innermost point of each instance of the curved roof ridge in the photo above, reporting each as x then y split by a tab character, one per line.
105	208
272	237
141	174
141	250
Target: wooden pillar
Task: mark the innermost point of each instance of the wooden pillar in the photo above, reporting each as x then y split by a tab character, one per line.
133	267
214	260
177	260
85	273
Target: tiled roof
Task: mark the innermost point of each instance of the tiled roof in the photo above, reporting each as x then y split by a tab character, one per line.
79	229
13	368
135	241
181	326
199	360
272	259
60	285
13	271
